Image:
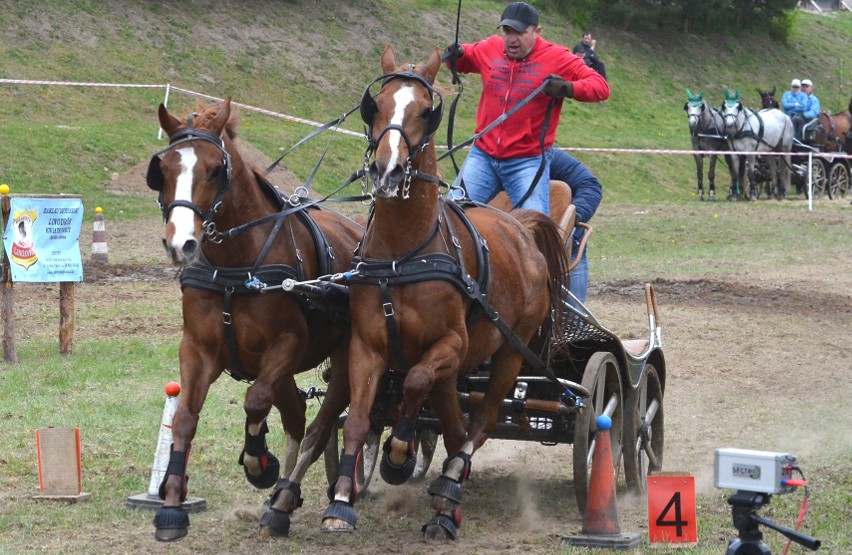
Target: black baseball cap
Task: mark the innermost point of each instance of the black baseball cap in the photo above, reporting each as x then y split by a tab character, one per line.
519	16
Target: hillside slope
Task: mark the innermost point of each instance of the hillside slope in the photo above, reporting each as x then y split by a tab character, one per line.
312	60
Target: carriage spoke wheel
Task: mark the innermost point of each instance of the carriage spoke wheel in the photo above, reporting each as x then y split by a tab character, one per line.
644	436
366	465
838	181
425	442
819	178
601	377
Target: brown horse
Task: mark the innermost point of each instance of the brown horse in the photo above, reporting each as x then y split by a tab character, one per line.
437	291
222	223
832	131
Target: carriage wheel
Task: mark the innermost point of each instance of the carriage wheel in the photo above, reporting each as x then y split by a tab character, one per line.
644	435
838	181
819	177
601	378
425	442
366	465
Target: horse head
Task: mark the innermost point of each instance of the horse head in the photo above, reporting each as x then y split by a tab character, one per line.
731	108
694	107
401	119
192	176
767	99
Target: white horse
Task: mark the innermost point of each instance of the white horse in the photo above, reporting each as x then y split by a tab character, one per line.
764	131
707	132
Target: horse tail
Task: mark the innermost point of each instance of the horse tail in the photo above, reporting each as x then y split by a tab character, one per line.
549	242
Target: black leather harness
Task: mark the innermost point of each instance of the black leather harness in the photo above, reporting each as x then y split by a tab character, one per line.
241	281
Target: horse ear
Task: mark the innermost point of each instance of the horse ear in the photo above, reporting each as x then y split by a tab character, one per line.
432	66
222	116
772	92
167	121
388	60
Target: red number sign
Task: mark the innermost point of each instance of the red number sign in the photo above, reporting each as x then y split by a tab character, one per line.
671	509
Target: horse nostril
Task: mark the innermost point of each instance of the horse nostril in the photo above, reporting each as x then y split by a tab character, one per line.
375	172
189	248
396	174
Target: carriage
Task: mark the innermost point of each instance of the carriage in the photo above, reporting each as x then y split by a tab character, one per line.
830	174
538	366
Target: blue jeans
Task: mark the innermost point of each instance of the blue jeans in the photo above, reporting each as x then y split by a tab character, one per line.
579	276
485	176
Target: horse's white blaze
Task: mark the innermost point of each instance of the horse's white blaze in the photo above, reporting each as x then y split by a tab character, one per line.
403	97
181	217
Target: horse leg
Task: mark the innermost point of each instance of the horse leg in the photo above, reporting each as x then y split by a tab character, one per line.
171	521
261	467
711	178
440	362
784	169
699	166
446	489
751	163
736	176
365	370
287	495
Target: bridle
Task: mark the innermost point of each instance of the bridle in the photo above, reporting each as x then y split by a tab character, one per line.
369	109
155	178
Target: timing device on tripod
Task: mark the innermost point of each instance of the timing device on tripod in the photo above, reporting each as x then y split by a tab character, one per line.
757	476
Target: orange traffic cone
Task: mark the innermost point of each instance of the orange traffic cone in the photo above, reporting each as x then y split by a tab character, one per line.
600	521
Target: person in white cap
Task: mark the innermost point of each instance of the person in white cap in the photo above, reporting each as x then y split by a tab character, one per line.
812	107
794	103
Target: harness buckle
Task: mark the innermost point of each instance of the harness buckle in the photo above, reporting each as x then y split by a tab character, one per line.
388	309
226	318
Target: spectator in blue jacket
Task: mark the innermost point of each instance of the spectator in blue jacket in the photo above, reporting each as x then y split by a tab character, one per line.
586	193
794	103
812	107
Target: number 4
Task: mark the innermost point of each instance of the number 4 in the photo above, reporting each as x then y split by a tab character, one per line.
678	521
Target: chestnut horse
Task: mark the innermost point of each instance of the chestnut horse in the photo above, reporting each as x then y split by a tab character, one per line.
222	224
436	291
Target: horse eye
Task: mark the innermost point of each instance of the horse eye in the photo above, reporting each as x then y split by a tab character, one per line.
216	172
425	114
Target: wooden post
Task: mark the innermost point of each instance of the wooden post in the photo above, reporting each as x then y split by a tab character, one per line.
10	351
66	317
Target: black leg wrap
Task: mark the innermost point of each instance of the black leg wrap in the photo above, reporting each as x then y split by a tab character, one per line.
277	522
347	469
177	467
467	465
397	474
280	486
446	523
171	524
340	510
270	468
446	488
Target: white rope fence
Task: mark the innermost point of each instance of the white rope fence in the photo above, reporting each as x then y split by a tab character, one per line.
830	156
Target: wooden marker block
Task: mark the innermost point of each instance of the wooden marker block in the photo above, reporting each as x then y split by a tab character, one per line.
60	475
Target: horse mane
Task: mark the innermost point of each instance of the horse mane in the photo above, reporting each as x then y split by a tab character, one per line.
203	115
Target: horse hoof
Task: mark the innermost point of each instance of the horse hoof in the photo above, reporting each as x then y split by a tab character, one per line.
752	198
446	494
171	524
339	517
733	198
274	523
396	474
270	469
440	529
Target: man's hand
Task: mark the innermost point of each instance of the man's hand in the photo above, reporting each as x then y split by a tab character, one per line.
557	87
452	53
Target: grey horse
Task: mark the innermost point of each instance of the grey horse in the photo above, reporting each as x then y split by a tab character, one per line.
764	131
707	132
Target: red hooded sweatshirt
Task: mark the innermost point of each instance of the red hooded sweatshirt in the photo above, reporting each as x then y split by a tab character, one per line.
506	82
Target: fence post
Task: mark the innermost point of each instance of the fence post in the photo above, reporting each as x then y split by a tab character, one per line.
10	351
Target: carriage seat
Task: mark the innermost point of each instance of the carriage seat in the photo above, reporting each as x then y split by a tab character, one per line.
635	347
562	212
